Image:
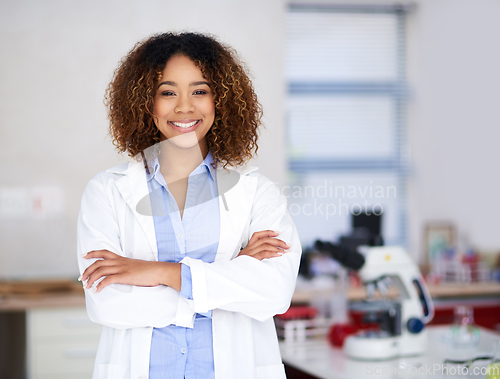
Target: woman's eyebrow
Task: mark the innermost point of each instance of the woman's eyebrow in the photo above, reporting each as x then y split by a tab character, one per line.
174	84
168	83
198	83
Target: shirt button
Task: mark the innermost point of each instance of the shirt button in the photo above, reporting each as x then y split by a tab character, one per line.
180	235
183	350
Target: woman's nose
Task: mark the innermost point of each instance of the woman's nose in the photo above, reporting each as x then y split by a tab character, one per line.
184	105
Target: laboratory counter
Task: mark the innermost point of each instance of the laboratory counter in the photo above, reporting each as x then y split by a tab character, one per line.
18	296
315	358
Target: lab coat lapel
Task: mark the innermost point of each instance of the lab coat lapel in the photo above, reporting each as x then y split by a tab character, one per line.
235	204
133	186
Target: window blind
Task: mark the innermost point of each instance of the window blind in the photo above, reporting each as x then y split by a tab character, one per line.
345	68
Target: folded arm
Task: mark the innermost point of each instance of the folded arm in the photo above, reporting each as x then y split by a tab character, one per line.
114	268
118	305
258	288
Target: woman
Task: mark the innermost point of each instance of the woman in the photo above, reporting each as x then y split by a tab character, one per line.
179	248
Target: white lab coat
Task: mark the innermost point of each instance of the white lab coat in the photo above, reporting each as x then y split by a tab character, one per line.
243	292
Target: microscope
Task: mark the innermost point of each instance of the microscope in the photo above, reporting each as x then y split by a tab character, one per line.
401	320
384	271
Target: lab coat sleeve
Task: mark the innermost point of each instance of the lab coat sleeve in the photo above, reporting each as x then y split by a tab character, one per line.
258	289
118	306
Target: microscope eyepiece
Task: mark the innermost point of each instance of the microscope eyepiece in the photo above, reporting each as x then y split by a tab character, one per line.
346	257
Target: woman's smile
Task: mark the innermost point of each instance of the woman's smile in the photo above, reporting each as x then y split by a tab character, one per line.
185	126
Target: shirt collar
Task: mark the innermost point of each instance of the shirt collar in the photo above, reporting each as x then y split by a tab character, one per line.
206	164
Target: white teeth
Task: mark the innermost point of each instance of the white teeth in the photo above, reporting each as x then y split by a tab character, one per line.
184	125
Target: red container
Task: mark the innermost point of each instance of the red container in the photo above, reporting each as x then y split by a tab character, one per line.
339	332
299	313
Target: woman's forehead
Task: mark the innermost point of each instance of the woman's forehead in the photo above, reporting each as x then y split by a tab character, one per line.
182	67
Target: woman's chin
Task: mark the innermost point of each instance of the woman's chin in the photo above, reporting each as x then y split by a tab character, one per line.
182	141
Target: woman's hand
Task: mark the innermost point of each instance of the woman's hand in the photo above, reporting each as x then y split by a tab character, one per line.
264	245
117	269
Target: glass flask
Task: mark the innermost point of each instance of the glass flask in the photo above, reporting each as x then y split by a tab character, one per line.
464	333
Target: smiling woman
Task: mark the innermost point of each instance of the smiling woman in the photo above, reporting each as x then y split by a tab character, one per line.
187	289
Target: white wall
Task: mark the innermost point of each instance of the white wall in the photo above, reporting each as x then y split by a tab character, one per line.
57	58
454	121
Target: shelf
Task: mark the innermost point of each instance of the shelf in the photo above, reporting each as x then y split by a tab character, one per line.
445	290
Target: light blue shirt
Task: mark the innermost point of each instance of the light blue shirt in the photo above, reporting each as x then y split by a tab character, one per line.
178	352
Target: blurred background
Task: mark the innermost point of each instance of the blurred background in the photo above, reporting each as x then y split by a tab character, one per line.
370	106
365	102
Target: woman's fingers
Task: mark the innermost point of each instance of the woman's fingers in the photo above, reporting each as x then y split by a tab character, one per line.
107	281
95	266
261	240
269	241
263	251
104	254
105	258
103	270
266	254
264	233
264	244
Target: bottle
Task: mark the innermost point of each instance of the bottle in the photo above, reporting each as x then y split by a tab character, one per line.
342	325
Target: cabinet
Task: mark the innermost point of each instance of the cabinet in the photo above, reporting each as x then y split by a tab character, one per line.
45	331
61	343
44	337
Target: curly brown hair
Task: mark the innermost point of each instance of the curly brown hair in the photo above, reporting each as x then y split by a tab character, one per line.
232	139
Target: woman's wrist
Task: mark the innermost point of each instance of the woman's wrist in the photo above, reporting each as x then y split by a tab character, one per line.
171	275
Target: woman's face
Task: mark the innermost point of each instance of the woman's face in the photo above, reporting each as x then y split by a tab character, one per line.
184	104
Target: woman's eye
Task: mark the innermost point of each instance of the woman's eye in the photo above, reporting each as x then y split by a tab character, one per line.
167	93
200	92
